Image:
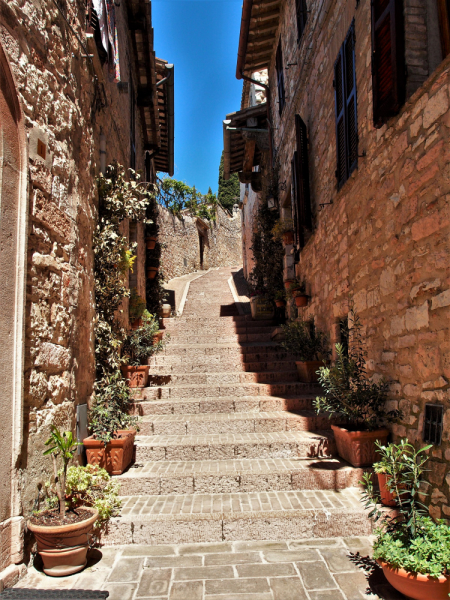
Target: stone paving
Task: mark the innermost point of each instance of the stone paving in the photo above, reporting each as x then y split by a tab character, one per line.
256	570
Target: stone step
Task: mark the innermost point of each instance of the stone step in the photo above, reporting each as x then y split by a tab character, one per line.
156	520
216	423
238	321
174	378
228	349
215	364
217	329
238	475
285	444
195	337
225	404
278	388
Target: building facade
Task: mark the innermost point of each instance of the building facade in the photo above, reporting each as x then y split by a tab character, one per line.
358	101
80	86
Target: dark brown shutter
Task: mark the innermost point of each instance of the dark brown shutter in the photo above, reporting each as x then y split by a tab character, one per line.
444	25
388	59
350	101
280	78
298	230
302	15
303	198
339	102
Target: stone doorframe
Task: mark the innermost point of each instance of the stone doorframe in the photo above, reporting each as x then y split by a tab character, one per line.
13	269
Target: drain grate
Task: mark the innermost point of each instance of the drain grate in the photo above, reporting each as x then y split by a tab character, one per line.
28	594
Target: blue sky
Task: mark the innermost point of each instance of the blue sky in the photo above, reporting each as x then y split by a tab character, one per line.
200	37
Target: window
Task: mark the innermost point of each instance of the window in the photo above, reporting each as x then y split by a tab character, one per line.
433	423
301	205
388	59
302	15
345	107
444	25
280	78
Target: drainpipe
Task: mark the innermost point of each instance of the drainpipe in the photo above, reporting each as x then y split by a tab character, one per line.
169	82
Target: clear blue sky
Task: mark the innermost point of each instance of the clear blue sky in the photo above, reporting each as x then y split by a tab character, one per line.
200	37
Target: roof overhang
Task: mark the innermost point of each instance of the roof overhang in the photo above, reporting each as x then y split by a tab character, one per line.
164	159
245	137
259	24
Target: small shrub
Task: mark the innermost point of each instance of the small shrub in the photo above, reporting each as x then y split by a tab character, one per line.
305	341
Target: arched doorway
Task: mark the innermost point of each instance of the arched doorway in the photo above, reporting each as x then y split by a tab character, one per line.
13	235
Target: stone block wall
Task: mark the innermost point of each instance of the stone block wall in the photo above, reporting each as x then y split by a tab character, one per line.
384	242
180	239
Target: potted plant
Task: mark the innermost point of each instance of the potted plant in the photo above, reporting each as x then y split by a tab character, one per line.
260	305
297	290
309	345
150	241
113	429
139	346
280	298
62	536
412	549
137	306
284	229
287	283
388	469
356	401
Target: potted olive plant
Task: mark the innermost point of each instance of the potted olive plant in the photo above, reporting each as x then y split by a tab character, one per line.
388	469
112	428
62	535
309	345
412	549
354	400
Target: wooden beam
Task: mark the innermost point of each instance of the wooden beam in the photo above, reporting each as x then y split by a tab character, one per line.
249	155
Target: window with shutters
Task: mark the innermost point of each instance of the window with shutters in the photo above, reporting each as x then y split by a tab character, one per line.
301	10
346	109
301	204
388	59
280	78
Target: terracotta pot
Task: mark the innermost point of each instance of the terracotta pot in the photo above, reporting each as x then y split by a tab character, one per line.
151	242
358	447
152	272
261	308
158	337
301	300
416	585
387	497
280	303
63	548
288	238
287	283
136	377
136	323
117	454
307	370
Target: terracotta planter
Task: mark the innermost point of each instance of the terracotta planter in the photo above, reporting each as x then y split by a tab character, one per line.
158	337
288	238
387	497
416	585
117	454
301	300
280	303
136	377
152	272
261	308
63	548
287	283
358	447
307	370
151	242
136	323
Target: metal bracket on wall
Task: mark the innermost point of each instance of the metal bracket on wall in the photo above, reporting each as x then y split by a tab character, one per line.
325	204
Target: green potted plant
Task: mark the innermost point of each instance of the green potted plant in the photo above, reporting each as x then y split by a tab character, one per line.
62	535
354	400
412	549
150	241
284	229
152	268
139	346
297	290
137	306
280	298
112	428
309	345
388	469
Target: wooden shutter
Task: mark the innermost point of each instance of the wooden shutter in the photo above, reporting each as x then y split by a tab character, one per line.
350	101
339	102
444	25
388	59
280	78
303	198
302	15
299	239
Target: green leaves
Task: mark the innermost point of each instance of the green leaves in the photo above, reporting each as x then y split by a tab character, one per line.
177	196
139	343
305	341
61	445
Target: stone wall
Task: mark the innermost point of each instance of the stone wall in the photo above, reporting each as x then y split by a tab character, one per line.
64	113
180	239
384	241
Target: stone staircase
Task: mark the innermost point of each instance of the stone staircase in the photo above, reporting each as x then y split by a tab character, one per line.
229	447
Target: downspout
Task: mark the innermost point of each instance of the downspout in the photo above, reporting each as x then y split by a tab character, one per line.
169	81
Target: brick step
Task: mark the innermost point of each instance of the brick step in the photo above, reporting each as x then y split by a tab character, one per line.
175	378
216	423
277	388
216	364
227	349
285	444
238	475
157	520
226	404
